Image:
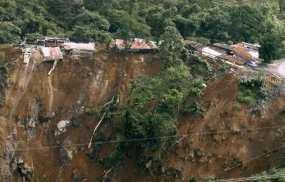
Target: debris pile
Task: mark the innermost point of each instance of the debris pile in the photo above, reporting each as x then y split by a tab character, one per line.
61	127
240	54
77	49
135	45
24	170
51	53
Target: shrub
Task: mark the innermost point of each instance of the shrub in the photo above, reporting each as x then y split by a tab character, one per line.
251	90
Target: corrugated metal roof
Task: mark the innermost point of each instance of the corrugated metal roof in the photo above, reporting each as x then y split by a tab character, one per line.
79	46
51	53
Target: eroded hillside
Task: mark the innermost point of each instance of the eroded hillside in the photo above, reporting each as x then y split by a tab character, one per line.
227	140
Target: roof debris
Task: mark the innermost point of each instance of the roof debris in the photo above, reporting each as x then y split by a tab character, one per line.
239	54
79	46
51	41
51	53
136	44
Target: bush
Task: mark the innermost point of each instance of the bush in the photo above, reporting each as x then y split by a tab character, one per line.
251	90
9	32
194	108
32	37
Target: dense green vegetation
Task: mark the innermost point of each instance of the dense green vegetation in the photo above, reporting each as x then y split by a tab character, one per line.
252	90
90	20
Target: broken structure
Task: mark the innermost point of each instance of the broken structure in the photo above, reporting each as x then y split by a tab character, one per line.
209	52
135	45
240	54
51	53
52	41
73	48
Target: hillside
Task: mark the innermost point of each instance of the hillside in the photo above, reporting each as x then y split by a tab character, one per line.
226	139
141	90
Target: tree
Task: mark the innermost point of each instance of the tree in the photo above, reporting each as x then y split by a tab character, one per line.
171	47
271	47
9	32
127	26
215	25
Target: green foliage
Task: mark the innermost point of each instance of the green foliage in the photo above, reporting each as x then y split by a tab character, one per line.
89	20
251	90
32	37
9	32
126	26
115	158
272	47
193	108
171	47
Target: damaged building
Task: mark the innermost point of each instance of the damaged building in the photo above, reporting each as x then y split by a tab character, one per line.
76	49
240	54
136	45
51	41
51	53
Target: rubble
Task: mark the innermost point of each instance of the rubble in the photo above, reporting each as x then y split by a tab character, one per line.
135	45
66	151
51	41
61	127
24	170
51	53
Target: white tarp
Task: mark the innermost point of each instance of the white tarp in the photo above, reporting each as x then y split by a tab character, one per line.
207	51
79	46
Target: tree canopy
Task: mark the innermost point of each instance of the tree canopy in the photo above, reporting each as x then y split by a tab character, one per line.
89	20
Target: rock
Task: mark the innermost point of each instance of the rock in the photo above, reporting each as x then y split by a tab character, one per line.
148	164
61	127
25	171
66	151
65	154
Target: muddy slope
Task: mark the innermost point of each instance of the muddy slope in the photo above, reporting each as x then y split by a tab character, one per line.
227	141
35	103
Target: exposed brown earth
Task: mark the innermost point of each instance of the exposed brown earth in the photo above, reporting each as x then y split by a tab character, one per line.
228	141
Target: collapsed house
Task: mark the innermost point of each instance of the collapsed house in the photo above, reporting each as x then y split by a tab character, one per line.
51	53
194	46
52	41
247	53
72	48
240	54
209	52
135	45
